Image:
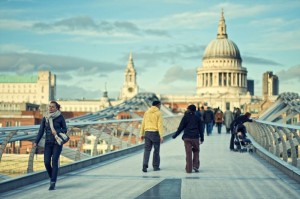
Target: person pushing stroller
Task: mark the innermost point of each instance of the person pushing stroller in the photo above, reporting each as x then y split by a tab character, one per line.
238	126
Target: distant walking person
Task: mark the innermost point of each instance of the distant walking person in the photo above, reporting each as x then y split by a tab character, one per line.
228	118
152	132
219	120
236	112
191	125
52	124
208	118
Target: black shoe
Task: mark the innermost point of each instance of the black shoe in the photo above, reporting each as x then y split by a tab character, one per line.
52	186
156	169
144	169
196	170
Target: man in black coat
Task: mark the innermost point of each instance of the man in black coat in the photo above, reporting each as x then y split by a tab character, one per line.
191	125
239	121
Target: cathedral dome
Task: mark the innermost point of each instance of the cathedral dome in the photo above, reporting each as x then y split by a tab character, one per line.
222	48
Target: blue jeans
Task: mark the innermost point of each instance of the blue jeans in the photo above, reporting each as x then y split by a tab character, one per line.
52	152
209	128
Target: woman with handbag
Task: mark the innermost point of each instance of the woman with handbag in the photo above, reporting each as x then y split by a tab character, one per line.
54	126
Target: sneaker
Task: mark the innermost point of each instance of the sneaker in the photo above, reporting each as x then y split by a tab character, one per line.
156	169
196	170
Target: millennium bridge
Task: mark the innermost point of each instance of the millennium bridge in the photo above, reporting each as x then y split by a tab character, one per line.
106	159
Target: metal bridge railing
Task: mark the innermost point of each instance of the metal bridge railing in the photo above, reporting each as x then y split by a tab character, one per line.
282	140
88	139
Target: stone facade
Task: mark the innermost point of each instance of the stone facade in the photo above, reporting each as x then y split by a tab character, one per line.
33	89
270	84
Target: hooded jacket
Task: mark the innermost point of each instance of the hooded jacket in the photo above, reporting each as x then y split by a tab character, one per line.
152	121
191	125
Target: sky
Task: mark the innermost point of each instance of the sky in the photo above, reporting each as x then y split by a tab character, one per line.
87	43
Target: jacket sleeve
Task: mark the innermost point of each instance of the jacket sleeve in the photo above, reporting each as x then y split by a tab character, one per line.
160	125
180	127
63	128
201	129
41	131
142	131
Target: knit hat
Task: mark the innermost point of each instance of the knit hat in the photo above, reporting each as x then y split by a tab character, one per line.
192	107
155	103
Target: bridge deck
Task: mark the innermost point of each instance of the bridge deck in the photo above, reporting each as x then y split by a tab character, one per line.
223	174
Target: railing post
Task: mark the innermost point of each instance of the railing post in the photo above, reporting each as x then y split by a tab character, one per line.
5	141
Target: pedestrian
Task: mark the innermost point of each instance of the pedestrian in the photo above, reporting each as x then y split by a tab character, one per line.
228	118
191	125
239	121
152	132
208	118
199	114
219	120
53	125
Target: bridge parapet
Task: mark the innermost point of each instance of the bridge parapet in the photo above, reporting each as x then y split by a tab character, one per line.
279	144
89	139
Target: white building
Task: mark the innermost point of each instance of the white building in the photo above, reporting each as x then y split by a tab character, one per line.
38	89
221	79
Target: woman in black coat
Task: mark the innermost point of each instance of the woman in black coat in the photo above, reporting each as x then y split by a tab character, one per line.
191	125
55	128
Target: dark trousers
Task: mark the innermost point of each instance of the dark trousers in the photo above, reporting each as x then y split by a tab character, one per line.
219	125
227	130
152	139
51	156
192	149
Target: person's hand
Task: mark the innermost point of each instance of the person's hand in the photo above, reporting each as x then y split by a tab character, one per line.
142	137
54	133
161	139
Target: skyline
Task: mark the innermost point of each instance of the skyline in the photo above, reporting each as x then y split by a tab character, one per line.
87	45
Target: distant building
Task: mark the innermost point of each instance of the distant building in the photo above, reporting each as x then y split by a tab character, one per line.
221	79
38	89
130	87
19	114
250	86
270	84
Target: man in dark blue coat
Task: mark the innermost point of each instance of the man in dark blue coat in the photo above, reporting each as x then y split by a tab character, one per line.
191	125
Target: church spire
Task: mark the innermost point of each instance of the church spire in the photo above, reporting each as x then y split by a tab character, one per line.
130	64
130	87
222	27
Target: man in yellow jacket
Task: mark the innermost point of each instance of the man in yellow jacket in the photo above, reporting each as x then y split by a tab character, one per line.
152	132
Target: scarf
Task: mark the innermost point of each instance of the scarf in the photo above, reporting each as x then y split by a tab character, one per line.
49	119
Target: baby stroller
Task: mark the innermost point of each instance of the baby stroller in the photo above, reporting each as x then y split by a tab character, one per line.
243	144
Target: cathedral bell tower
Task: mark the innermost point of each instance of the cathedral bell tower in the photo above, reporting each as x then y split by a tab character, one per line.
130	88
